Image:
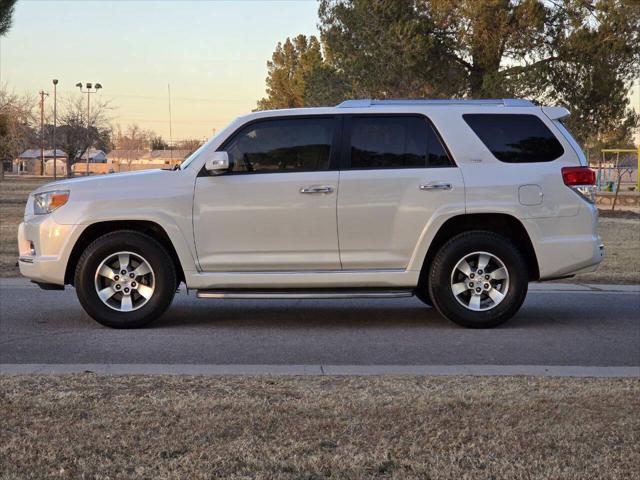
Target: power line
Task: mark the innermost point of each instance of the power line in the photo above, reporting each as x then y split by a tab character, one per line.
185	99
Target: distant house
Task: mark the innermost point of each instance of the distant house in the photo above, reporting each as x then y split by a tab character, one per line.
29	161
168	156
98	163
124	160
95	156
127	160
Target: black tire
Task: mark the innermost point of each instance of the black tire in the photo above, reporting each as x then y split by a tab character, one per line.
164	279
446	260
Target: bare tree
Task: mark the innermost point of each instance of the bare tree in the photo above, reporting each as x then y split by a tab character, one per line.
16	125
73	135
132	140
191	144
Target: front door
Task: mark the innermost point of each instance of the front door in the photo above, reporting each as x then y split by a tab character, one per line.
275	210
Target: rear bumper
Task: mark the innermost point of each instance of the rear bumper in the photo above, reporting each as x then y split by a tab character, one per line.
568	245
44	247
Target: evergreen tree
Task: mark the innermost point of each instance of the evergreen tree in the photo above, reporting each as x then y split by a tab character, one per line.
583	54
291	61
6	14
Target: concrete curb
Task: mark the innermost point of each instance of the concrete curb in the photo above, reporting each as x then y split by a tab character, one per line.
338	370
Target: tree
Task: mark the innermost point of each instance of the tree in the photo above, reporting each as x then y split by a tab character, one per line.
489	48
287	68
387	49
324	85
132	140
74	137
17	122
158	143
6	14
583	54
593	73
190	144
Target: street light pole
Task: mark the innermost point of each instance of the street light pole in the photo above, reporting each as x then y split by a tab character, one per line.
55	119
88	91
42	94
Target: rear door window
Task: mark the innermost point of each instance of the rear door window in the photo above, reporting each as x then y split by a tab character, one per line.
515	138
398	141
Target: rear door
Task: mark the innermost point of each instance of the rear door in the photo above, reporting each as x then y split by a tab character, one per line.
396	175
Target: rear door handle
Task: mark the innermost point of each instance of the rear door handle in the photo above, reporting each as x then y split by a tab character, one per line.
316	189
436	186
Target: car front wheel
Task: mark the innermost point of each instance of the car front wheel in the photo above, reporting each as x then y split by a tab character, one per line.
125	279
478	279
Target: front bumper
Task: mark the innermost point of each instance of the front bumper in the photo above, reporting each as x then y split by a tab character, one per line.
44	247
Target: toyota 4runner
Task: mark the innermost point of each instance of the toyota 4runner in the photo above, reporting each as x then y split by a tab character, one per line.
461	203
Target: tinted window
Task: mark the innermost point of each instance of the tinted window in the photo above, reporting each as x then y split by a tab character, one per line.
282	145
436	154
515	138
395	142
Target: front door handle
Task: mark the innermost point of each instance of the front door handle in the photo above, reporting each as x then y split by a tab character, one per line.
317	189
436	186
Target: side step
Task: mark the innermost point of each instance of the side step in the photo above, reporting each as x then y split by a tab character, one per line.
304	293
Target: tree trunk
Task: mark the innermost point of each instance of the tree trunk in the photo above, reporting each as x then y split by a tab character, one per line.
489	27
476	80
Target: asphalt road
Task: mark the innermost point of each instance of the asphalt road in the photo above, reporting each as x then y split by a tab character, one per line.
558	325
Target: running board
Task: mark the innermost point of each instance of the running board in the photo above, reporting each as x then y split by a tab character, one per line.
303	294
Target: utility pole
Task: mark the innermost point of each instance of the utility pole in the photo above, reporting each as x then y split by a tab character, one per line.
55	120
42	94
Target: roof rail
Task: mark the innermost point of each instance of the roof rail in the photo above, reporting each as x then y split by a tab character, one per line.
498	102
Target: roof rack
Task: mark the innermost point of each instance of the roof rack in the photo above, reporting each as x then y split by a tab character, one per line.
498	102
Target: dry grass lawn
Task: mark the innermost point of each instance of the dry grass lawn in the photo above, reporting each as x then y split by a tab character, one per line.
13	196
156	427
621	235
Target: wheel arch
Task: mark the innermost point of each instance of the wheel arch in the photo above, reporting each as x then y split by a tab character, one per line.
499	223
96	230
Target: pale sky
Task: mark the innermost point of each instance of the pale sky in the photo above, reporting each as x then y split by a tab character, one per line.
213	53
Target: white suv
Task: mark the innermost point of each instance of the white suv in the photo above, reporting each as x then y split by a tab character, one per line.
461	203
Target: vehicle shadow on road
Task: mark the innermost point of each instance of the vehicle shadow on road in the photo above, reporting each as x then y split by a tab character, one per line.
389	314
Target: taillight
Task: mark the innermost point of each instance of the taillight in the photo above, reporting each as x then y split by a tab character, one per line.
582	180
573	176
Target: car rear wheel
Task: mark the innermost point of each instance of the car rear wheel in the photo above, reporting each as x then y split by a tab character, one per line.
478	279
125	279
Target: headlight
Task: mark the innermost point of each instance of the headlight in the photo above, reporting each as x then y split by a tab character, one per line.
47	202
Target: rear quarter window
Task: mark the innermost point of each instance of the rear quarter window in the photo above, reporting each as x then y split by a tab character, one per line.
515	138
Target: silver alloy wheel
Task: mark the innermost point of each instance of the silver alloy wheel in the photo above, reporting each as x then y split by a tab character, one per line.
124	281
480	281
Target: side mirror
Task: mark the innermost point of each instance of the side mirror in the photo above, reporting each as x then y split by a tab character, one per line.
218	163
